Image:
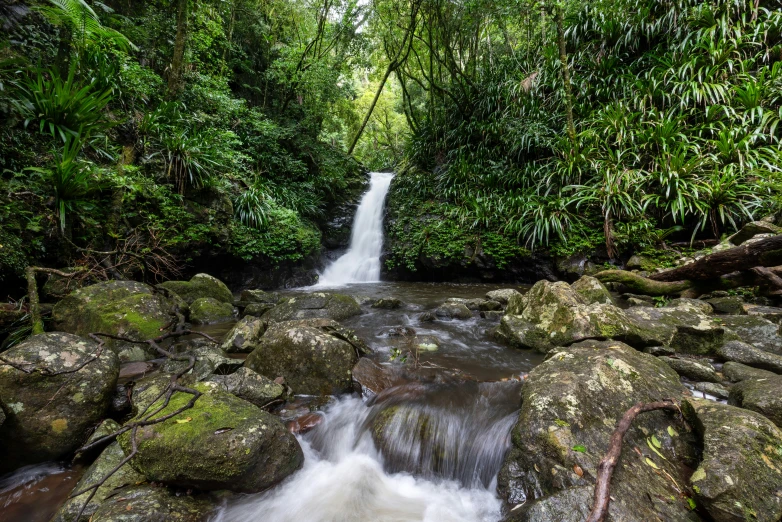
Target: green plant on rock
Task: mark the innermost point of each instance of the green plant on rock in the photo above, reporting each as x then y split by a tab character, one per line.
252	207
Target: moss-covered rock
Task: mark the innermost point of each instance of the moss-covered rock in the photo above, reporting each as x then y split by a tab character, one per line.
755	330
740	475
222	442
256	309
752	229
727	305
570	406
317	305
208	310
124	308
245	336
250	386
503	295
260	296
200	285
762	395
62	392
311	360
744	353
387	303
684	303
453	311
684	328
692	369
149	503
209	360
592	291
737	372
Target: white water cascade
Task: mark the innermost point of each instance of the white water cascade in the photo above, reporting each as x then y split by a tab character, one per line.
361	263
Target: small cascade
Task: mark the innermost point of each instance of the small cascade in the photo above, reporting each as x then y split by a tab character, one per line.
361	263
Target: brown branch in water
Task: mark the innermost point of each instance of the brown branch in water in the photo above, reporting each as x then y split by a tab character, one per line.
607	464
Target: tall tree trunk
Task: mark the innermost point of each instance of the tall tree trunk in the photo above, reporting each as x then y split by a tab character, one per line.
571	127
175	77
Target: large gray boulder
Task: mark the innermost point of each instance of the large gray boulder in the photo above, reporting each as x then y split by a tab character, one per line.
592	291
222	442
245	336
741	352
200	285
752	229
692	369
453	311
740	475
755	330
502	295
208	310
317	305
684	328
737	372
250	386
570	406
760	395
151	503
54	388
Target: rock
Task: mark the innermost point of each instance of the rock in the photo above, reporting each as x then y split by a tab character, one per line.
592	291
149	503
639	262
717	390
489	306
387	303
315	305
640	297
304	423
56	287
109	459
426	317
570	406
633	301
371	378
567	505
744	353
755	330
492	315
126	308
134	370
250	386
311	360
453	311
256	309
49	413
209	360
684	329
691	304
727	305
752	229
245	336
208	310
260	297
692	369
659	350
740	475
120	400
400	331
770	313
573	267
503	295
200	285
515	305
736	372
222	442
760	395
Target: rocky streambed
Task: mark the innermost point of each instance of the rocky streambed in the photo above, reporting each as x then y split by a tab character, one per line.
391	401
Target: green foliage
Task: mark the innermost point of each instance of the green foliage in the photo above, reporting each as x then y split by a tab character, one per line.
83	22
252	208
286	239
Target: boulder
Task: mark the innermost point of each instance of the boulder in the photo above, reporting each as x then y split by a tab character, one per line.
752	229
683	328
453	311
489	305
312	360
426	317
727	305
259	296
317	305
222	442
250	386
737	372
570	406
492	315
760	395
245	336
256	309
755	330
744	353
208	310
696	305
503	295
639	262
150	503
126	308
592	291
740	475
209	360
387	303
63	390
200	285
692	369
772	313
371	378
712	388
634	301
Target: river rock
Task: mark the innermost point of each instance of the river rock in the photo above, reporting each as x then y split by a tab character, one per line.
745	353
387	303
771	313
126	308
371	378
222	442
50	410
311	360
712	388
592	291
736	372
692	369
453	311
760	395
209	360
697	305
200	285
740	475
488	305
684	328
752	229
208	310
755	330
260	297
503	295
633	301
727	305
250	386
150	503
245	336
256	309
317	305
426	317
570	406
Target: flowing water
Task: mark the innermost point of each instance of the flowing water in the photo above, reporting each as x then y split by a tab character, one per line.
361	263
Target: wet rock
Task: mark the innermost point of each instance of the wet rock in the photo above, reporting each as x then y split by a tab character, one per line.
770	313
752	229
304	423
711	388
683	328
245	336
503	295
427	317
256	309
727	305
200	285
371	378
659	350
149	503
745	353
492	315
633	301
639	262
592	291
570	406
489	305
134	370
400	331
740	475
573	267
208	310
209	360
120	400
317	305
755	330
691	304
250	386
50	410
736	372
692	369
567	505
453	311
311	360
109	459
763	396
387	303
646	298
260	297
126	308
222	442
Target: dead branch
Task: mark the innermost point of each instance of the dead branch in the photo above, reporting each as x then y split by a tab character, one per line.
770	276
607	464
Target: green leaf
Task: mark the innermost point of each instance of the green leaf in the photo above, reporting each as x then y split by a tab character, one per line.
579	448
656	442
691	503
650	462
672	432
650	443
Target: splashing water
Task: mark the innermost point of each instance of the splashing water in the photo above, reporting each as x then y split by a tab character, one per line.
361	263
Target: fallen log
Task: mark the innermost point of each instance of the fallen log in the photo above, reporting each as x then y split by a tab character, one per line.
643	285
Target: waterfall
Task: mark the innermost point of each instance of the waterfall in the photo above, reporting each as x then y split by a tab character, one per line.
361	263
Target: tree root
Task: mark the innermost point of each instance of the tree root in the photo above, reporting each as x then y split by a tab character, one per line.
643	285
